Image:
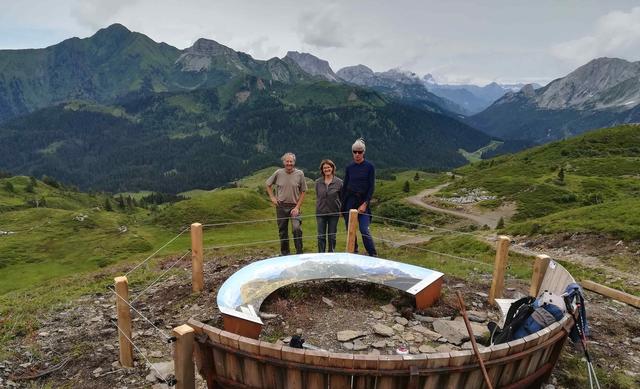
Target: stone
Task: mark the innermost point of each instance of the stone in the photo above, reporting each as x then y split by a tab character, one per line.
347	345
402	321
424	319
347	335
456	332
327	301
43	334
389	308
377	315
359	345
427	333
383	330
408	337
477	316
482	294
97	371
636	340
414	350
379	344
426	349
267	316
374	352
156	354
458	286
398	327
418	338
444	348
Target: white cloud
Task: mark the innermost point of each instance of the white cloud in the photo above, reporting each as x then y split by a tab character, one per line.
616	34
99	14
322	29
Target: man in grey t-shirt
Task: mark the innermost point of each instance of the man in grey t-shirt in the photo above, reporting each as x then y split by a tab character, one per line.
290	190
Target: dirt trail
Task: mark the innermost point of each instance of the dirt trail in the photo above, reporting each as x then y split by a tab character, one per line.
489	218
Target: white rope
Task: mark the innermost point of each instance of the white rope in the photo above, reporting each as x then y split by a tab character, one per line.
143	356
271	219
436	252
157	251
424	225
141	315
264	241
161	275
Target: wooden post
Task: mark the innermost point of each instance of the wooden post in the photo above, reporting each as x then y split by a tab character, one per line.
612	293
197	278
497	284
124	321
351	231
183	358
539	269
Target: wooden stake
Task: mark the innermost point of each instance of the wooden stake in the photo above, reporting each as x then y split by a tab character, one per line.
183	358
497	284
197	277
124	321
539	269
473	339
613	293
351	231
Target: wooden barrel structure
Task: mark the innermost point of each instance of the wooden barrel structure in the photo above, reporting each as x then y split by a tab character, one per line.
228	360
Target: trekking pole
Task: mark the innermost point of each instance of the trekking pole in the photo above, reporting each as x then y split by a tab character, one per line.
473	340
583	339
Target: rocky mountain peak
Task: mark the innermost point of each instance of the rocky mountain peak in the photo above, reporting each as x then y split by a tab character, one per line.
313	65
198	57
355	74
586	85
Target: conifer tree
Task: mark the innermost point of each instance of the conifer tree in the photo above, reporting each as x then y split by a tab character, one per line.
406	187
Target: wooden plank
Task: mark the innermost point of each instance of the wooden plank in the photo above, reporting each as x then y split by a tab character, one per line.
316	380
556	279
365	361
612	293
436	360
475	379
294	376
233	370
183	357
509	371
351	230
250	366
341	360
415	362
497	283
124	321
204	362
539	270
534	362
457	359
272	376
197	276
531	340
495	371
391	362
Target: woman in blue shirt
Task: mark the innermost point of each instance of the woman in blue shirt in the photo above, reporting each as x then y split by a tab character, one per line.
357	190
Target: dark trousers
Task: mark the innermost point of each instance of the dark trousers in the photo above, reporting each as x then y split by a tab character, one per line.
327	230
283	213
364	220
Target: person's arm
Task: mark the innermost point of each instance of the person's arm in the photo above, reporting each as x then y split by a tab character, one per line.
273	198
372	184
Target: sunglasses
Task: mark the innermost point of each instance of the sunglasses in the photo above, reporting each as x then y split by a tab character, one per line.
357	151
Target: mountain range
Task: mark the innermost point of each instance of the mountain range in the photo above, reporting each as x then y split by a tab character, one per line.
130	113
601	93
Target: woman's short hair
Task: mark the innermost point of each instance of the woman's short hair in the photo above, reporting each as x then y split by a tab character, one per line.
285	155
358	145
330	163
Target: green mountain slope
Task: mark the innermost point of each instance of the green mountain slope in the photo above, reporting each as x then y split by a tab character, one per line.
587	183
204	138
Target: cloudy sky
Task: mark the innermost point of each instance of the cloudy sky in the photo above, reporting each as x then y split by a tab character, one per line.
456	41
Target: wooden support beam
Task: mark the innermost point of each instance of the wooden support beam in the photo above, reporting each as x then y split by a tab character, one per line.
124	321
539	269
197	277
183	358
613	293
497	284
352	230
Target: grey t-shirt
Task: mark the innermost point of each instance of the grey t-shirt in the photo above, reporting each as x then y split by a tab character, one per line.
288	185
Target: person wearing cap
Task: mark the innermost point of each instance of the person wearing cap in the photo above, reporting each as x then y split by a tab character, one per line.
291	187
357	191
328	188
